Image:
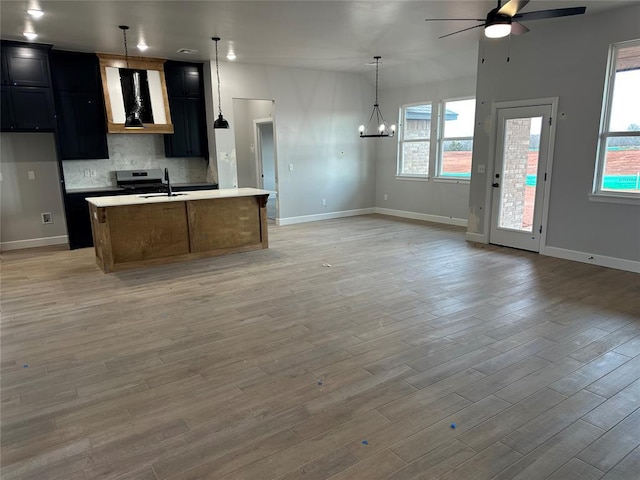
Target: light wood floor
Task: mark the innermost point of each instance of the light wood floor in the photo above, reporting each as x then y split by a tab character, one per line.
347	350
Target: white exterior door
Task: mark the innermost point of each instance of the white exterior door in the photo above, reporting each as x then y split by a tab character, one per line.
519	175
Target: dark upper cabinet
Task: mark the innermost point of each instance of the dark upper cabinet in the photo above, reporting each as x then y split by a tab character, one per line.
25	66
75	72
27	101
31	108
81	126
79	105
6	109
188	139
185	89
183	80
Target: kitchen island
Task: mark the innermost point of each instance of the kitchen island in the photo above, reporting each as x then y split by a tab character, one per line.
132	231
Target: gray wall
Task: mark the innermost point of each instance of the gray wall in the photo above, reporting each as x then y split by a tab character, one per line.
431	197
566	58
316	132
22	199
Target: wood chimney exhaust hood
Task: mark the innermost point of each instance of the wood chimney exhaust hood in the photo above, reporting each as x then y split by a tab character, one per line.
157	101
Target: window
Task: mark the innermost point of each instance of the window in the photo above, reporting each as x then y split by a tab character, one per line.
414	140
618	172
455	138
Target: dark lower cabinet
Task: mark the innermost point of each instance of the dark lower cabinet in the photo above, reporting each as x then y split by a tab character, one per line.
189	138
78	219
81	126
29	109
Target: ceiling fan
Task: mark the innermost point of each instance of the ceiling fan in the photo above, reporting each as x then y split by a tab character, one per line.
505	19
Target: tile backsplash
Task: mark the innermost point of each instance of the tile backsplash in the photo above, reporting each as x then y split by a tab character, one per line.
131	152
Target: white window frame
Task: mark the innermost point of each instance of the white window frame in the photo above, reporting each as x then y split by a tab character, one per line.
438	176
401	141
597	193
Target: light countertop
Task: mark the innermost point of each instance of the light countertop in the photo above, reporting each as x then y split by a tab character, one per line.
141	199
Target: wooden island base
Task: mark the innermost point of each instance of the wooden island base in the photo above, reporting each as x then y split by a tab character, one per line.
179	229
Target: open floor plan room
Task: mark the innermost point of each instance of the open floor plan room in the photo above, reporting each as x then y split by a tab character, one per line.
359	348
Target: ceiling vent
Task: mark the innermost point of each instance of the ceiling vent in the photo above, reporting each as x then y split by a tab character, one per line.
187	51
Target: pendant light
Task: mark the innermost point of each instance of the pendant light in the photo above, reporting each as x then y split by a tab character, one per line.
380	125
132	121
220	121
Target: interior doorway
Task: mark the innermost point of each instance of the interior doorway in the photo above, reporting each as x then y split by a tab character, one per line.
521	175
266	161
256	149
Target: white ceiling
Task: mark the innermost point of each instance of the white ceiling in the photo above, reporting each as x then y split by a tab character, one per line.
328	35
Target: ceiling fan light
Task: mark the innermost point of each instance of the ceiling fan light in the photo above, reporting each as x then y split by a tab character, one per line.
497	30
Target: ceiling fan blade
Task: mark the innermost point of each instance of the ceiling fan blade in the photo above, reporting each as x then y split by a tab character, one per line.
454	19
544	14
463	30
518	28
512	7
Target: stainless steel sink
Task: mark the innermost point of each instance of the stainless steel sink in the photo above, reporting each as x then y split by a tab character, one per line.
154	195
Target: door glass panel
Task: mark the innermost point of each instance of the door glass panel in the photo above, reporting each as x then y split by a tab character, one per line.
519	173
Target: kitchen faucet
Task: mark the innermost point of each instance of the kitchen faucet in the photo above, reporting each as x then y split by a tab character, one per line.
166	178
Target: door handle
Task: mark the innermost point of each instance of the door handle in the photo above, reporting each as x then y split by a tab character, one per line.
495	185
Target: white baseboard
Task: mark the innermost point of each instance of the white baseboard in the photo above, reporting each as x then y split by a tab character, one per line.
476	237
324	216
34	242
594	259
460	222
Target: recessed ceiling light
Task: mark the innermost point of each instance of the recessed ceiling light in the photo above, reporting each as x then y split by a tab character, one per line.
35	13
231	56
142	46
30	35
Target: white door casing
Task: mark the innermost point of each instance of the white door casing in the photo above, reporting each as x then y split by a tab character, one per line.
521	174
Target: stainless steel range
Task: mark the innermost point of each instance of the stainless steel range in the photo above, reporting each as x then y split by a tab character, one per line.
141	181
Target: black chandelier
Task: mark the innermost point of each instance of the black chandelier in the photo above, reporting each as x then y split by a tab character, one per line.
380	125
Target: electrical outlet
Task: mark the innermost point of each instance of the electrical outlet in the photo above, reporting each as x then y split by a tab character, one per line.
31	174
94	173
46	218
87	172
324	202
291	167
482	168
386	197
